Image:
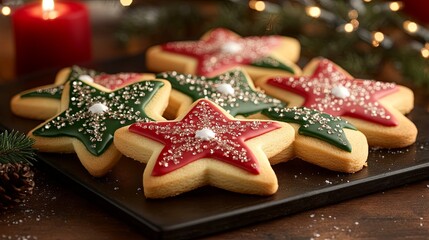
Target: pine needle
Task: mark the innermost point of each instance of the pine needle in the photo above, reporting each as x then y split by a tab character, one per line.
16	147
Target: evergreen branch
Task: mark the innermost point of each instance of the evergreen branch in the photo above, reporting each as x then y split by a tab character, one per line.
16	147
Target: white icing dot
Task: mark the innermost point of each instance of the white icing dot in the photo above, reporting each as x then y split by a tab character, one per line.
98	108
86	78
340	91
205	134
226	89
231	47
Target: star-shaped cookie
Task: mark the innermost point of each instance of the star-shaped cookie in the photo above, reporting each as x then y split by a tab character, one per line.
206	146
220	50
233	91
374	107
322	139
89	116
43	102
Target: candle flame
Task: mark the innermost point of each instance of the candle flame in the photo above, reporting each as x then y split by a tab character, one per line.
48	5
48	8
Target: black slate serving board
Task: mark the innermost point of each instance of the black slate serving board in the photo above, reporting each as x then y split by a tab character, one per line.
207	210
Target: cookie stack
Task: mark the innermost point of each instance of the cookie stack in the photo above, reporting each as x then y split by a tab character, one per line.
219	111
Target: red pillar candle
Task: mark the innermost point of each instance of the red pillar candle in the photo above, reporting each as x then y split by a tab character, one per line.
51	38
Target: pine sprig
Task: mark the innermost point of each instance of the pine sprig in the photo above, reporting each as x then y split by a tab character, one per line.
16	147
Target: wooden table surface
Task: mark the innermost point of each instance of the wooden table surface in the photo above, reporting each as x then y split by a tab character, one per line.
58	210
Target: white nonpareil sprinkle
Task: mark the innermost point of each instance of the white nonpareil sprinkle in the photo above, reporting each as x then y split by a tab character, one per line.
231	47
205	134
340	91
226	89
98	108
86	78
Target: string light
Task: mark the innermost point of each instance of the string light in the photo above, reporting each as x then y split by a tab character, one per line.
425	51
316	12
353	14
395	6
5	10
126	3
313	11
410	26
354	23
257	5
377	38
348	27
414	29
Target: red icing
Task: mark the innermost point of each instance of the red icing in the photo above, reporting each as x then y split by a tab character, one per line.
182	147
210	56
362	102
114	81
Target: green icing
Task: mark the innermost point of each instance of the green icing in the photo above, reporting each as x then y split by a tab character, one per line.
269	62
94	128
314	124
242	101
55	92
